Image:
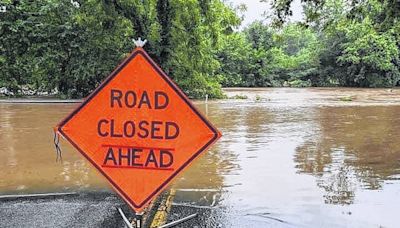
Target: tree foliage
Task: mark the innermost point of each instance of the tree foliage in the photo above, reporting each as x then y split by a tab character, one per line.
360	40
70	46
264	56
341	43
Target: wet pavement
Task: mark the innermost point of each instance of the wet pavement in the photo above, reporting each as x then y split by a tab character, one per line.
94	209
288	158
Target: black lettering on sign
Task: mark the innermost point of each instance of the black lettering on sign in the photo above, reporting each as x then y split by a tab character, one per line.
99	129
154	129
171	130
116	95
144	100
145	129
159	96
140	158
151	158
110	156
144	133
129	129
112	128
122	156
132	99
166	158
135	156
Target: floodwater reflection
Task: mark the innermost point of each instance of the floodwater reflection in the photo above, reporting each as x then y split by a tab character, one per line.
27	156
351	148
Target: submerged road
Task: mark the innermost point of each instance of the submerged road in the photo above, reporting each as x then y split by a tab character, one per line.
93	209
100	209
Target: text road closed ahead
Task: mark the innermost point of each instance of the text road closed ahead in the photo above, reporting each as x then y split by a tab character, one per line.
138	129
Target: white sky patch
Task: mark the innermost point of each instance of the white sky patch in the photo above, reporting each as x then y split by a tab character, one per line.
257	10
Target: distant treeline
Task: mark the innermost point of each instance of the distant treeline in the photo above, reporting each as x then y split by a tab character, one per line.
343	43
69	47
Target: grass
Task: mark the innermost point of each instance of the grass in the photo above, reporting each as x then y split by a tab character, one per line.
346	98
237	96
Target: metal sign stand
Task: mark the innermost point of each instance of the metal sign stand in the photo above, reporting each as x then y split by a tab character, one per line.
176	222
138	220
127	223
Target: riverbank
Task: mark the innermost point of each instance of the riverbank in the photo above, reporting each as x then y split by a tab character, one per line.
320	96
317	96
35	100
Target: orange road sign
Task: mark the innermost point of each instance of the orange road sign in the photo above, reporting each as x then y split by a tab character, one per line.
138	129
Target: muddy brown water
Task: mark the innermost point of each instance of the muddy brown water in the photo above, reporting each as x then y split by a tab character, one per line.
288	158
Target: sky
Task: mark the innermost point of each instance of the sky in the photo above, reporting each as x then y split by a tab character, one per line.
256	9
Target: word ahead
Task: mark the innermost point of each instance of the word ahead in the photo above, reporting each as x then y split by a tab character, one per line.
139	130
138	158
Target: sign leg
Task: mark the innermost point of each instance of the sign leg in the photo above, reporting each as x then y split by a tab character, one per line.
138	220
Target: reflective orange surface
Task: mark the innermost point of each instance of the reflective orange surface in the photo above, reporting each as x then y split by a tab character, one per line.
138	129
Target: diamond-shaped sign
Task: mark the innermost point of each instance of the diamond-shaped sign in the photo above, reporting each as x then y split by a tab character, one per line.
138	129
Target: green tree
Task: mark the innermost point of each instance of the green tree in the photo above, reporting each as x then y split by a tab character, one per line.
70	46
238	62
359	49
263	56
56	45
361	40
295	56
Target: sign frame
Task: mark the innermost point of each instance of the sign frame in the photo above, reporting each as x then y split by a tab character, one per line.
178	91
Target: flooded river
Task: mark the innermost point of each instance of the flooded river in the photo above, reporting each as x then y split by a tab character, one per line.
287	158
